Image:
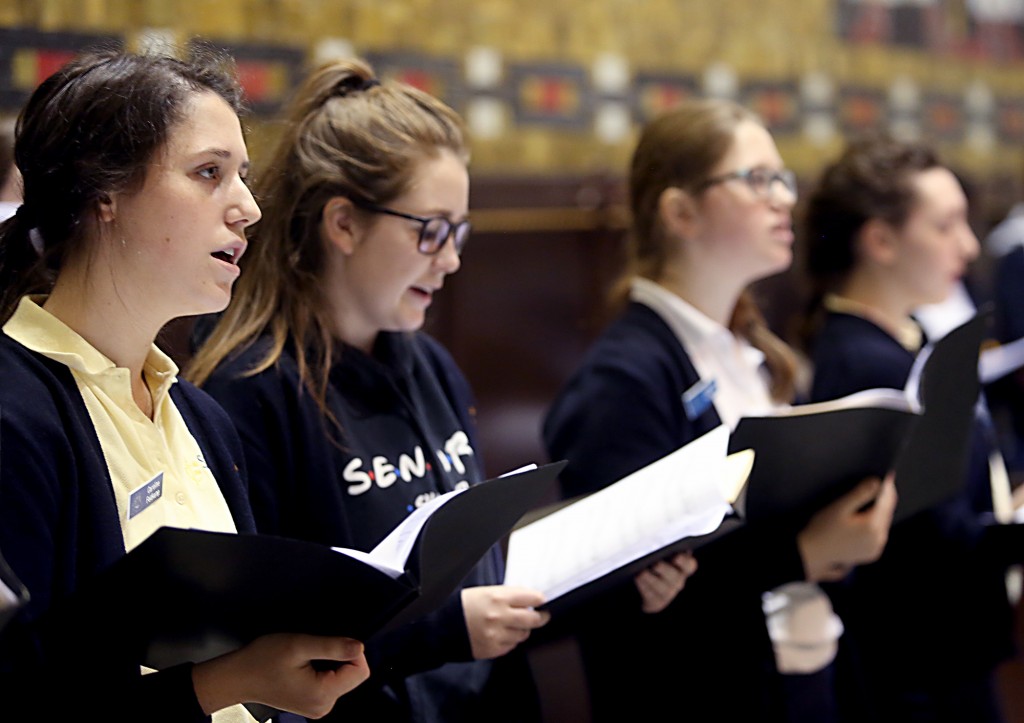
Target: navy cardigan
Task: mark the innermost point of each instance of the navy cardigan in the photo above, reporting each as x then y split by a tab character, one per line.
59	527
933	608
708	654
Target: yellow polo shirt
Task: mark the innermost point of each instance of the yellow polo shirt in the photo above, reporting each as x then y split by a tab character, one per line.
157	469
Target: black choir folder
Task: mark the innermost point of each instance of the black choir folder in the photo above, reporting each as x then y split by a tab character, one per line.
932	467
189	595
809	455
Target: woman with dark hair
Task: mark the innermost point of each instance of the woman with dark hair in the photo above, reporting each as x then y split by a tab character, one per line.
135	213
711	203
351	416
887	232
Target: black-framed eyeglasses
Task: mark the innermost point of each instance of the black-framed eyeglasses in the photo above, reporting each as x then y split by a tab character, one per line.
434	230
760	179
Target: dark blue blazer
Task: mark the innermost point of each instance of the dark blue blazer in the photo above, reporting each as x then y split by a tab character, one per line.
59	528
709	653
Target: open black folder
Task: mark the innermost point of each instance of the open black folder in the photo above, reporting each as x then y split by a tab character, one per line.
932	466
189	595
810	455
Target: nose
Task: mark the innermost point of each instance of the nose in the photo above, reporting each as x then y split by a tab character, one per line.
447	259
781	195
245	211
969	245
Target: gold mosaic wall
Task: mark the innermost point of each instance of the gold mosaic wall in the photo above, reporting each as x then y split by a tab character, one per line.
560	86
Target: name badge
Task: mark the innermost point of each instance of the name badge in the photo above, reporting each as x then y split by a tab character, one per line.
145	495
697	399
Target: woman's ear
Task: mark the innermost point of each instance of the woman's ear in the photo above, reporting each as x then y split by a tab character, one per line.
878	242
106	208
337	224
677	210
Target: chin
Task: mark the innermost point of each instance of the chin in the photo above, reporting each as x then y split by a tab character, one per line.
776	265
214	304
411	322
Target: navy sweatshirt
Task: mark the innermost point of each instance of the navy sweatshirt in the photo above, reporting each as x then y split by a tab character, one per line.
402	432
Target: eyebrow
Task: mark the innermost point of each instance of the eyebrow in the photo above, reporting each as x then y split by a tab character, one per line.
220	153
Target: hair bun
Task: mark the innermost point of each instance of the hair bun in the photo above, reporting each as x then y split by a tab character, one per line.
351	84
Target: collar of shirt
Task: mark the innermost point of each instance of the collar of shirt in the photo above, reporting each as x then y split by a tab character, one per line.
716	352
37	329
907	333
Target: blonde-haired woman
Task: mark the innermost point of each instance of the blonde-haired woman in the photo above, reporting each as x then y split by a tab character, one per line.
351	416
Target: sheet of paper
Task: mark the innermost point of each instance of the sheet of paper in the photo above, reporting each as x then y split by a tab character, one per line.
884	398
684	494
391	553
999	361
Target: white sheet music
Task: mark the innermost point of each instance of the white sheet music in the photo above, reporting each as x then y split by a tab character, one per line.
391	554
686	493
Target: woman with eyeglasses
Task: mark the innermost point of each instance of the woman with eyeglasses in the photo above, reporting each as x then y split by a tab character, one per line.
711	204
351	416
887	232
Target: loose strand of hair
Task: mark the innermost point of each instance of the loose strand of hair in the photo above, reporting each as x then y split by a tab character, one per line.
748	321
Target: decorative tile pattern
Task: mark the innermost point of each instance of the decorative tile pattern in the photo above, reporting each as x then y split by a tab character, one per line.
27	57
553	95
268	73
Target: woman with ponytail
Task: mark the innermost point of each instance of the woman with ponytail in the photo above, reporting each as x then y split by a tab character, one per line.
135	210
711	204
351	416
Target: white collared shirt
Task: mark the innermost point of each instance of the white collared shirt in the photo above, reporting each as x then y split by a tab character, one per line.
737	368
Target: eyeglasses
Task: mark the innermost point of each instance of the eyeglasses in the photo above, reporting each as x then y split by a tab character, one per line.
434	230
761	180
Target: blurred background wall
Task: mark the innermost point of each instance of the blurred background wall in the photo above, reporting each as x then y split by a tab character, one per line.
553	92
